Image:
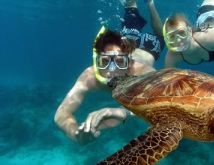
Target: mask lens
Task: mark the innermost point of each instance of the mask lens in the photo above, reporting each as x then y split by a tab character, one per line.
103	61
121	61
182	33
171	37
179	33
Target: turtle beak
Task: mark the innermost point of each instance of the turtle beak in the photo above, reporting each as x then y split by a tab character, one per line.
113	82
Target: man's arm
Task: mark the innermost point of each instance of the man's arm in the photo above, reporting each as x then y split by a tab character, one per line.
64	117
104	118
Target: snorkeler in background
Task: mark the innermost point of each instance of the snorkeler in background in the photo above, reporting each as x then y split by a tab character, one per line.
187	44
149	46
113	55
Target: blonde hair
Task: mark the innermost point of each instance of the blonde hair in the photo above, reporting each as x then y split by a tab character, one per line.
175	19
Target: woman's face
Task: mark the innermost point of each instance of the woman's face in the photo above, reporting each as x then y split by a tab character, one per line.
178	38
113	62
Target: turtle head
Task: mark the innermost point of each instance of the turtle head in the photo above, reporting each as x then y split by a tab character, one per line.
115	81
121	86
125	88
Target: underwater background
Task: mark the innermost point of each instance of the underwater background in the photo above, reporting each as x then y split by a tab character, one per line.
44	46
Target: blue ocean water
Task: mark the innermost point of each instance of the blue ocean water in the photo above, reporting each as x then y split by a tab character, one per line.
44	46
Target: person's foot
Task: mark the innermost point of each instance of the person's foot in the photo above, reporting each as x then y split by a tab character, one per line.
129	3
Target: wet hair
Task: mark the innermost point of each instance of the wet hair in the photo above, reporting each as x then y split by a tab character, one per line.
174	20
111	37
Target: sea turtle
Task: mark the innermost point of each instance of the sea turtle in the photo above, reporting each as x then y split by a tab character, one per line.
177	103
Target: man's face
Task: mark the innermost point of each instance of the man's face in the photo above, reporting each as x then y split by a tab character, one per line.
112	62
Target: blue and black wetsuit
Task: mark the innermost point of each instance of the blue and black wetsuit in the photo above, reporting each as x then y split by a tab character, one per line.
132	27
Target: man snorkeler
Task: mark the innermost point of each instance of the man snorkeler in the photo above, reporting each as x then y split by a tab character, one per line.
113	55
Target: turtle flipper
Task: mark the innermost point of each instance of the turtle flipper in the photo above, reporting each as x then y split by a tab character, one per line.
149	148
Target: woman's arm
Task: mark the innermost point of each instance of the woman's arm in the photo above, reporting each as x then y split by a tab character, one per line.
156	22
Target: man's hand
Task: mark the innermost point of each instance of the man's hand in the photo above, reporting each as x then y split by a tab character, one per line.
83	137
101	119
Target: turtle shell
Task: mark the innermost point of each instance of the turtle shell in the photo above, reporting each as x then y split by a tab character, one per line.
182	94
178	103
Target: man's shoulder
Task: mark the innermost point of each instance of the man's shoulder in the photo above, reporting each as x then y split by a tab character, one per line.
88	71
88	77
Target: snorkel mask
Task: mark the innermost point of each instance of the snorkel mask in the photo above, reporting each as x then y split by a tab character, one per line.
171	38
110	60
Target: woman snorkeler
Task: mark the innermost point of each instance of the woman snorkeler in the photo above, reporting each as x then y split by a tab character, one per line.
187	44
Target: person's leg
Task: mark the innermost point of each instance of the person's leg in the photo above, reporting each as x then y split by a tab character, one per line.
132	18
207	2
130	4
133	23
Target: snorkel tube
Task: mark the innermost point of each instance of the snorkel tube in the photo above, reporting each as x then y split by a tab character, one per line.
174	49
100	78
164	33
